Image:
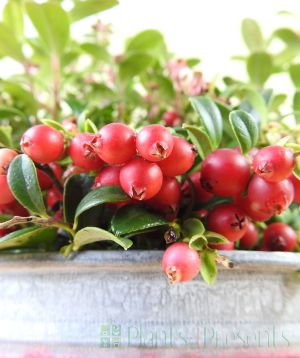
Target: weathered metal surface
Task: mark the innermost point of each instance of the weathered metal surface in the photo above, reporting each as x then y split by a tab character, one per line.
122	300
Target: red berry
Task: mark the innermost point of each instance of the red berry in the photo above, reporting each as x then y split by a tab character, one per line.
154	143
228	220
180	263
56	169
180	160
43	144
279	237
140	179
250	238
44	179
270	198
228	246
201	196
172	119
168	198
108	176
252	210
116	144
6	156
274	163
296	184
6	196
225	172
82	152
54	196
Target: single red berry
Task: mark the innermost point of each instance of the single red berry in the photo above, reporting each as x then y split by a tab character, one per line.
6	156
140	179
274	163
227	246
180	263
82	152
270	198
6	196
171	119
43	144
249	240
168	198
180	160
116	144
154	142
108	176
252	210
225	172
45	181
296	184
228	220
279	237
54	197
201	196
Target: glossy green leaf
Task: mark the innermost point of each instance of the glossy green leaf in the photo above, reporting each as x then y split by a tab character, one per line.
210	118
197	242
100	53
131	220
252	35
200	139
13	18
53	124
259	67
102	195
52	24
245	129
22	180
87	8
208	267
89	235
294	72
215	238
296	106
9	45
192	226
134	64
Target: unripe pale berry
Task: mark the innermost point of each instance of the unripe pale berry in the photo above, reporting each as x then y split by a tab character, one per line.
180	263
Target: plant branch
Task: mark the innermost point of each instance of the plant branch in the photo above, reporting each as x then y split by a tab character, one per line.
224	261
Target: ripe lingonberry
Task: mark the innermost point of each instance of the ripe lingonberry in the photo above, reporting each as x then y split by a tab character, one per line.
168	198
6	196
279	237
82	152
116	143
226	246
6	156
54	197
249	240
108	176
228	220
296	184
225	172
171	119
43	144
154	143
45	182
180	263
201	196
140	179
270	198
252	210
180	160
274	163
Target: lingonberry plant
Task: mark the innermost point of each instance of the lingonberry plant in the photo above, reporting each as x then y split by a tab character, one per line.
140	150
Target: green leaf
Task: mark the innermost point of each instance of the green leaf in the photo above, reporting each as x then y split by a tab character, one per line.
277	101
9	45
200	139
215	238
192	226
98	52
208	267
131	220
87	8
53	124
102	195
22	180
90	127
245	129
197	242
30	237
134	64
165	87
252	35
52	24
210	117
89	235
259	67
192	62
75	189
6	136
294	72
13	18
296	105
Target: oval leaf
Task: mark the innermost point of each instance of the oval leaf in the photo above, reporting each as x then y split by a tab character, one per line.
131	220
245	129
252	35
86	8
208	267
9	45
200	140
259	67
22	180
211	118
192	227
89	235
197	242
134	64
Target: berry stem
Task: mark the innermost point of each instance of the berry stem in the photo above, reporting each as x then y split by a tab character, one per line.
224	261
